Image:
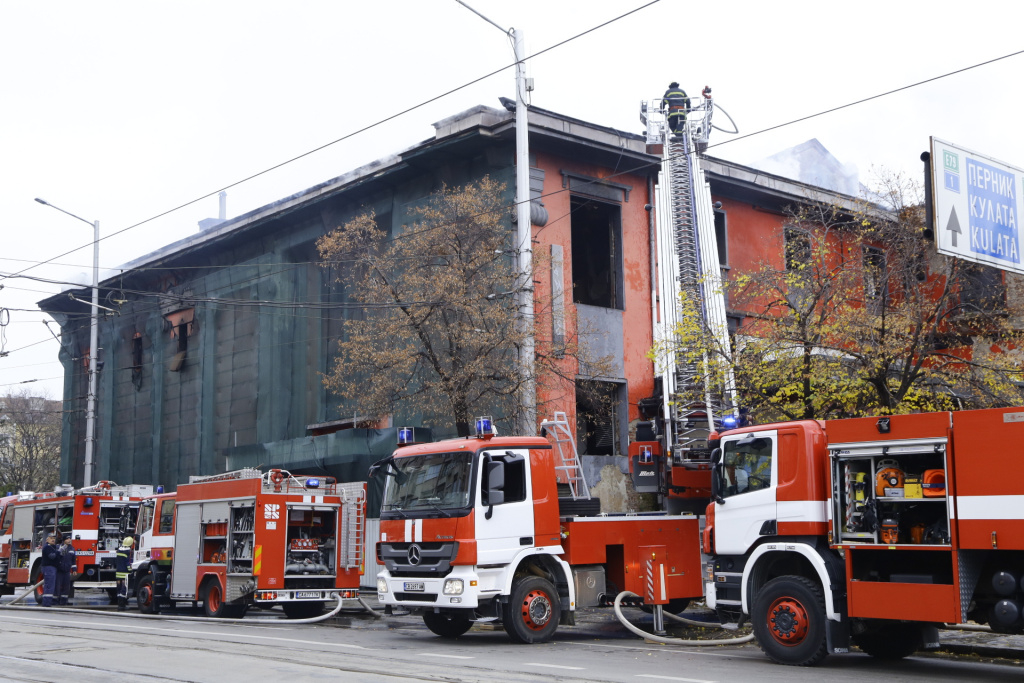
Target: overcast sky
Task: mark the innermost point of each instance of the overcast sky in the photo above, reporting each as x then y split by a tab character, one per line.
122	111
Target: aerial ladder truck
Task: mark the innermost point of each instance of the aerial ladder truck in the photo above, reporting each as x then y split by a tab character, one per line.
670	455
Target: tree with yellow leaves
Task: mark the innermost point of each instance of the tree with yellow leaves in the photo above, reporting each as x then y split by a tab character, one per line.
859	315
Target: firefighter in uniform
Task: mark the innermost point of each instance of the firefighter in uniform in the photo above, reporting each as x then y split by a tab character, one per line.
676	103
122	563
51	565
68	566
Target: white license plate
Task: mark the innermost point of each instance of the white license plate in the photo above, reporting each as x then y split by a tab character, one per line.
299	595
414	586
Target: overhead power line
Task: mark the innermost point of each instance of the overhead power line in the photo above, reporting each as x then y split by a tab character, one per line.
344	137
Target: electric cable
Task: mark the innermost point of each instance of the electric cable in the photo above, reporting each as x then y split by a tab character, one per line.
345	137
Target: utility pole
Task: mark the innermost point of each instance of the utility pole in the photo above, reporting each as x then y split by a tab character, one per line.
90	406
524	232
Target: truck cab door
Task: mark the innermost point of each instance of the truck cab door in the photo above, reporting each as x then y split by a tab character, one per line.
748	478
503	522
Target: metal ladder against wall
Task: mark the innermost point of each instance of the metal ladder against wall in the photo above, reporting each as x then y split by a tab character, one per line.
353	523
557	430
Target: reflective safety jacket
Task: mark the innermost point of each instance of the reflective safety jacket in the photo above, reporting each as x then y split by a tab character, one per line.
122	562
675	98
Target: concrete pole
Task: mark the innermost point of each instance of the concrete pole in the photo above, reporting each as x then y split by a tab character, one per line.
524	239
90	408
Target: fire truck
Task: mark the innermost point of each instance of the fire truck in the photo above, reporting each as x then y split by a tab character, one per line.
97	518
865	531
248	537
473	530
870	530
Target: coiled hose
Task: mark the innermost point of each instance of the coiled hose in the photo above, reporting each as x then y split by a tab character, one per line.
674	641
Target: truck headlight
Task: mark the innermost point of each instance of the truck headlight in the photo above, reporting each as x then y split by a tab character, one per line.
453	587
382	585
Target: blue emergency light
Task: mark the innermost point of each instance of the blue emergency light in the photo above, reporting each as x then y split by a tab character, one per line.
312	483
730	422
159	489
484	426
406	436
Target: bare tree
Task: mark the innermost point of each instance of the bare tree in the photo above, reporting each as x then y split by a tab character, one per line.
437	329
29	442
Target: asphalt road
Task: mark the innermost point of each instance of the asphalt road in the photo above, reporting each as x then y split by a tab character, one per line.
40	645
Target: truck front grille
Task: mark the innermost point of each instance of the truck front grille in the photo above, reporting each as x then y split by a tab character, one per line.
417	559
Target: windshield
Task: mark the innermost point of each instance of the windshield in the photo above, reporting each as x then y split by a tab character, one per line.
426	482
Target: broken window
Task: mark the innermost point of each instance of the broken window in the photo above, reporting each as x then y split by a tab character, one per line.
798	248
721	238
874	276
598	409
137	361
182	327
981	288
596	253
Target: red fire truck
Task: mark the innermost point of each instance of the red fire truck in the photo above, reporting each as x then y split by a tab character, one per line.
248	537
97	518
870	531
471	531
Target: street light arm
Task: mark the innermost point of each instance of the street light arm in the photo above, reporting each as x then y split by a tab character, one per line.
46	203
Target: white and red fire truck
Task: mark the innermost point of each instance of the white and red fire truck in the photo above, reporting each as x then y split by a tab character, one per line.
97	518
869	530
471	531
248	537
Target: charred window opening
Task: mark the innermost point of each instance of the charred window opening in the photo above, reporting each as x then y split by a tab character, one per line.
982	288
721	236
182	327
596	253
597	417
874	276
798	248
137	361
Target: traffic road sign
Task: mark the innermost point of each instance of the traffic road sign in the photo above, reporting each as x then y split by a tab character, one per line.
977	206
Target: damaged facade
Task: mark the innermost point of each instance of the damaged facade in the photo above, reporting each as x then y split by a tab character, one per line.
210	364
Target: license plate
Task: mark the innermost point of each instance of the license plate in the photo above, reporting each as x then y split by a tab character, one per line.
299	595
414	586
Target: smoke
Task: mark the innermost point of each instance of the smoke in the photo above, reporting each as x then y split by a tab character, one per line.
811	163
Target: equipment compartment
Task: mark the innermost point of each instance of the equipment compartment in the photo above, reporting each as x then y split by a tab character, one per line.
890	493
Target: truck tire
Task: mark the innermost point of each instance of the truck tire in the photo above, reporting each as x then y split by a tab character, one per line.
532	612
37	576
890	641
788	617
446	626
145	596
214	605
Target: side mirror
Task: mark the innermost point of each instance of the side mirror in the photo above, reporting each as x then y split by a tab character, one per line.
494	482
716	480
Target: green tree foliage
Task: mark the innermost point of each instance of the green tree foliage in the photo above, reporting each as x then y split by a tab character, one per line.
440	330
857	314
29	443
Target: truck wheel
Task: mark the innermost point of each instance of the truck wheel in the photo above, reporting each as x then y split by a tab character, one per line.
145	596
788	617
446	626
213	600
890	641
532	612
37	576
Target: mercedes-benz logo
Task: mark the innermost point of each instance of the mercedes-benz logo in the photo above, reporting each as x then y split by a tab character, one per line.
415	555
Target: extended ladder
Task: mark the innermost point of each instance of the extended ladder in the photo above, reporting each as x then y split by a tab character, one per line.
688	271
557	429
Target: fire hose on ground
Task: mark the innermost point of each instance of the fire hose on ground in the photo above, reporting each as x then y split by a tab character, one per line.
218	620
674	641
